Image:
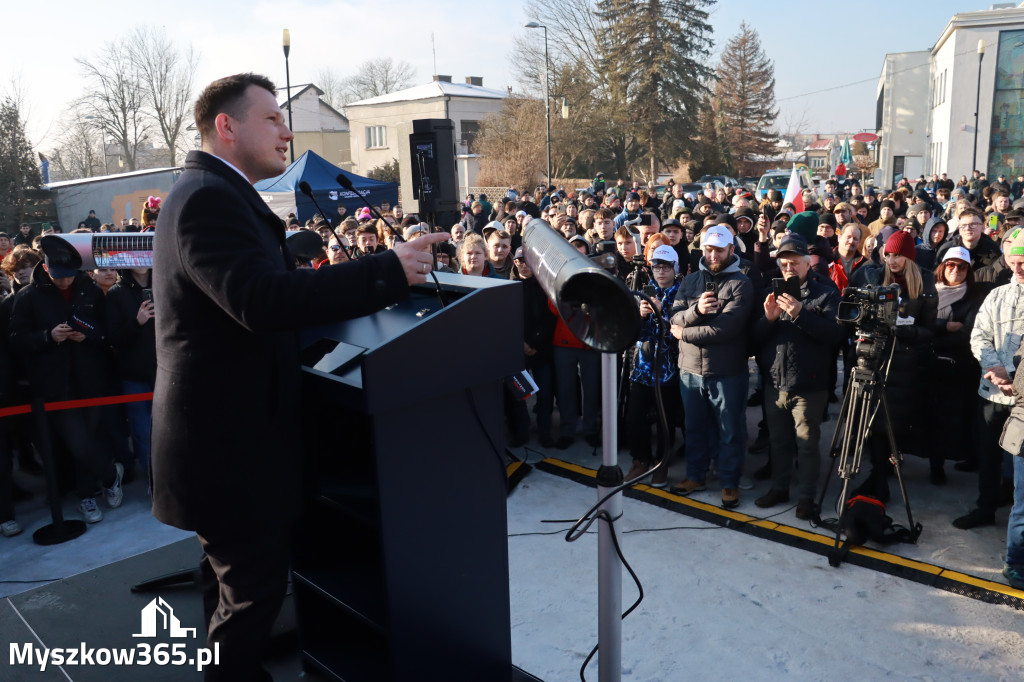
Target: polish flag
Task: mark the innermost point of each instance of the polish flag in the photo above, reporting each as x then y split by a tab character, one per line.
794	194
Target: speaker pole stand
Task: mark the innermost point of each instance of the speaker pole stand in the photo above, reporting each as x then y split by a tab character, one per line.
609	569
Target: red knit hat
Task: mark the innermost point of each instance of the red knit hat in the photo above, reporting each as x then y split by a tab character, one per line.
902	243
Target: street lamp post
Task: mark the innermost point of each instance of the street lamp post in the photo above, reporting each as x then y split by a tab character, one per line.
286	42
977	105
547	95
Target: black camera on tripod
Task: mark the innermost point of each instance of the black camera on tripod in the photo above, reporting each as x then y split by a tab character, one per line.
873	310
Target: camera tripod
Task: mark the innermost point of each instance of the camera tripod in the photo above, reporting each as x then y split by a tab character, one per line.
864	399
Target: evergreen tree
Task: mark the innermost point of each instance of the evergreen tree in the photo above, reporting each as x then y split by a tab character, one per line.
18	170
709	157
746	87
654	60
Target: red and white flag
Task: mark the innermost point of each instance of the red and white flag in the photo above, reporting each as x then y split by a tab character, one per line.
794	194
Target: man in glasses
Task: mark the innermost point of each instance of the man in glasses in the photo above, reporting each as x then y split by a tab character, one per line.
970	235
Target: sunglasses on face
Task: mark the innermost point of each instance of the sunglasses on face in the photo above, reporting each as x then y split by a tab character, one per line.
959	267
335	247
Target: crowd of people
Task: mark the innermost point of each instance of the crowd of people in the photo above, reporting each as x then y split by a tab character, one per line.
69	335
724	277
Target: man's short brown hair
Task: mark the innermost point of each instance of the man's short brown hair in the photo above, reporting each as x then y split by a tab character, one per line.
224	96
970	212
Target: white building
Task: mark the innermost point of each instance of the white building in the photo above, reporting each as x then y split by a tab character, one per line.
375	122
901	116
927	116
318	127
955	69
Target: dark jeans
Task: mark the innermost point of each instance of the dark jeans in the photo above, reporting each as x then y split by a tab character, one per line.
641	403
989	421
75	431
244	578
140	418
588	362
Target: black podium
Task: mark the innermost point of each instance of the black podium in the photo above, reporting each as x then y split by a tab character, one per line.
400	566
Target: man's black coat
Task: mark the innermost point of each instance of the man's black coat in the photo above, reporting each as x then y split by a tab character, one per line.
226	446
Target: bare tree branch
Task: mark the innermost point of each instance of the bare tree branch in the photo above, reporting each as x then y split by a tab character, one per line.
167	78
376	77
115	97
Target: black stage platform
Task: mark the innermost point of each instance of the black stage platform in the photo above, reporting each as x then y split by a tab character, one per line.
98	609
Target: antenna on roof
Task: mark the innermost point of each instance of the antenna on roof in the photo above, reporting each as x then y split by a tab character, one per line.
433	48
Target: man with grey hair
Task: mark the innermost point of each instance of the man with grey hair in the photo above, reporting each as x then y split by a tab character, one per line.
796	339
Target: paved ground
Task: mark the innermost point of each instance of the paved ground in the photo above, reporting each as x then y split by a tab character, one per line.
708	591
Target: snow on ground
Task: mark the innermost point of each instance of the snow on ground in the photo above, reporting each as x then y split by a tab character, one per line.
722	605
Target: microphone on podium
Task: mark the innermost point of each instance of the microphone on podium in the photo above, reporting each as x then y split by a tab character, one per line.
308	191
347	184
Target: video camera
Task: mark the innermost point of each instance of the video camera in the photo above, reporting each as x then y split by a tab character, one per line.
873	310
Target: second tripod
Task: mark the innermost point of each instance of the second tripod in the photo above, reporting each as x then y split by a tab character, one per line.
863	403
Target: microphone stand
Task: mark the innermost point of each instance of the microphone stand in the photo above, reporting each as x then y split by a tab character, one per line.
308	191
347	184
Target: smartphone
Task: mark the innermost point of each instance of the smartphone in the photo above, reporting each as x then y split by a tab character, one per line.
710	286
645	219
789	286
147	295
650	291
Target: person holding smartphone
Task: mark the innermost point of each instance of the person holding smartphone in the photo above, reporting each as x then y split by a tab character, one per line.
710	318
133	336
654	367
796	337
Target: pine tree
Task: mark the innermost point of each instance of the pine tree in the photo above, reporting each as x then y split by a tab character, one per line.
18	170
746	87
709	157
654	60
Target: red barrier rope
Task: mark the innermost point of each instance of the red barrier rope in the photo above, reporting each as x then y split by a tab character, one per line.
75	404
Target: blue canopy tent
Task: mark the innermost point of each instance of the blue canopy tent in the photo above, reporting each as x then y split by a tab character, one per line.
283	195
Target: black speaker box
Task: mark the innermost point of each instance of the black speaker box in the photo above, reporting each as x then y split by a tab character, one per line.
432	153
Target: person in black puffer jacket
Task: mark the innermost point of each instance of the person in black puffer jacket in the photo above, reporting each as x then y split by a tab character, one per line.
132	334
906	379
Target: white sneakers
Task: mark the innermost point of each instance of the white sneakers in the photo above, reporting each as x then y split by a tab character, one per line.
90	512
10	528
114	494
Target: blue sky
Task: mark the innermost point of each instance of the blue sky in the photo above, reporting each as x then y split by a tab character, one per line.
815	45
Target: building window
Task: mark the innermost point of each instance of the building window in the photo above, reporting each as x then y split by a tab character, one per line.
1006	146
470	131
376	136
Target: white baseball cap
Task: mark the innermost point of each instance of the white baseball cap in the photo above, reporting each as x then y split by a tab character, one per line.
957	252
666	254
717	236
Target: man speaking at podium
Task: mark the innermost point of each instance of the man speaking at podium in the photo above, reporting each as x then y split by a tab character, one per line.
226	459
